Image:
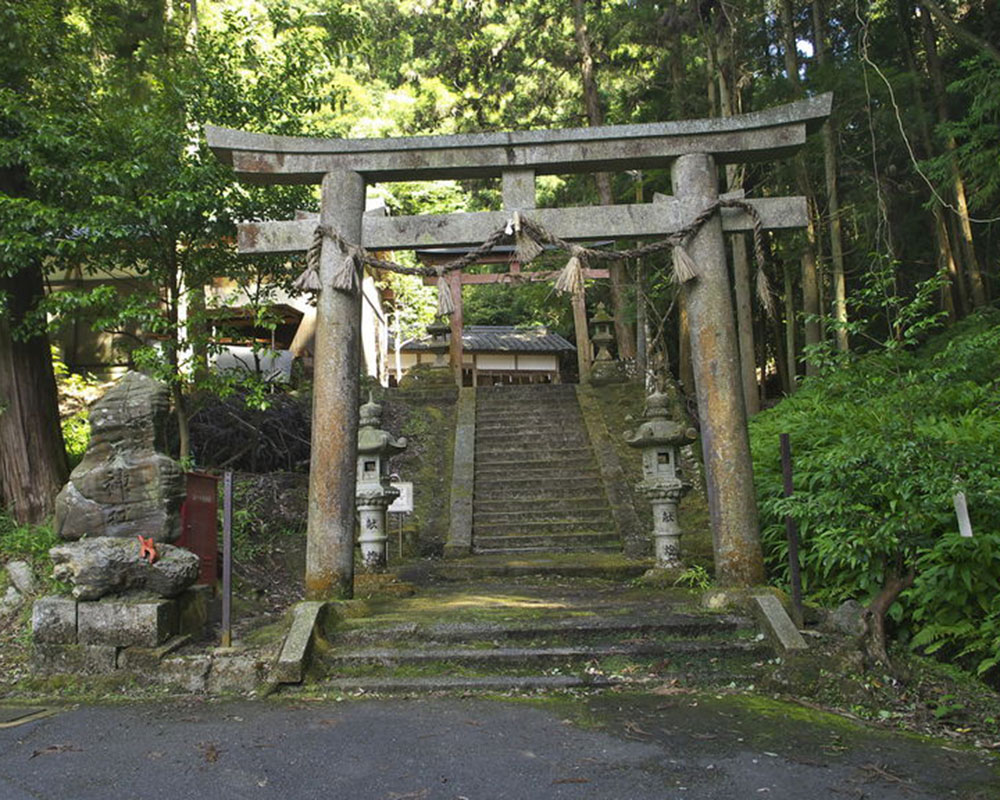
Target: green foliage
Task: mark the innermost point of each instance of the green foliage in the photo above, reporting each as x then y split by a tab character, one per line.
76	435
977	132
880	447
695	577
25	542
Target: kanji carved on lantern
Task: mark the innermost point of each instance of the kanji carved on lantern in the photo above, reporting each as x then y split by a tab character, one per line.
375	492
660	438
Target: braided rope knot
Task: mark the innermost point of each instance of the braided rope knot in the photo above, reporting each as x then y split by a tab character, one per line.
530	238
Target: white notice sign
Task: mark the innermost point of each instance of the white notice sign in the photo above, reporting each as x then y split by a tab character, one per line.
404	503
962	512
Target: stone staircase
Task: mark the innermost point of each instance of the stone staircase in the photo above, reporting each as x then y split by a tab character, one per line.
537	634
537	485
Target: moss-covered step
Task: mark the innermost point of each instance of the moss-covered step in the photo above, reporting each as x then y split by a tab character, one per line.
597	515
579	628
491	510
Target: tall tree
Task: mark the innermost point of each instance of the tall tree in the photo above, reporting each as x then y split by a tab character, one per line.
966	240
810	269
595	118
821	48
38	46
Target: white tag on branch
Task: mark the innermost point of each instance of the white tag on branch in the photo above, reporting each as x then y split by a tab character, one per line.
962	512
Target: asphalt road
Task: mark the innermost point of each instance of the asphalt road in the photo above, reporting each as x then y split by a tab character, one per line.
603	746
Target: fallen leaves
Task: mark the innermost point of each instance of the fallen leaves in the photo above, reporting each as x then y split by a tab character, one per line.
57	748
210	751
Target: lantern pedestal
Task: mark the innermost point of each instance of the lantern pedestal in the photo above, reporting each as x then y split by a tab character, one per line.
666	530
372	505
375	492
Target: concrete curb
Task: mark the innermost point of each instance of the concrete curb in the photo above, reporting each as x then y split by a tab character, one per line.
292	661
776	624
463	476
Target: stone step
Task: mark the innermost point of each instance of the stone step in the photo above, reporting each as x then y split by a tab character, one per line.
546	391
527	552
529	439
537	564
580	629
547	414
598	525
515	457
538	491
518	513
500	657
465	684
547	422
544	471
530	489
554	506
520	426
582	541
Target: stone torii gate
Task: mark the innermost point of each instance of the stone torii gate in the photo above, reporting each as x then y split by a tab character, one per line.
693	149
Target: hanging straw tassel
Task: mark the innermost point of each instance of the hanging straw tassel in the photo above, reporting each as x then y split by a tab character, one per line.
571	277
446	304
764	292
346	278
308	281
525	247
684	267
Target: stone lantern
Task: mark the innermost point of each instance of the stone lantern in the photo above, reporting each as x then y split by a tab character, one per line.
605	369
374	492
603	336
440	331
660	439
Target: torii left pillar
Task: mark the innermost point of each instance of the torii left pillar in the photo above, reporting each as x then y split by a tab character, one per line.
333	463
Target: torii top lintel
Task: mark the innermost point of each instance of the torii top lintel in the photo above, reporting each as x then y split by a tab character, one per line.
758	136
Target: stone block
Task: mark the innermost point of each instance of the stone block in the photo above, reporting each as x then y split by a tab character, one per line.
21	576
53	620
776	624
185	673
11	601
126	485
193	610
297	647
459	542
235	671
147	659
126	623
107	565
79	659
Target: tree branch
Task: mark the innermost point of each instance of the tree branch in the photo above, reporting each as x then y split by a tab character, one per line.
960	32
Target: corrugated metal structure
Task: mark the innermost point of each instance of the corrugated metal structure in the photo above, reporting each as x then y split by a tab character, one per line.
493	354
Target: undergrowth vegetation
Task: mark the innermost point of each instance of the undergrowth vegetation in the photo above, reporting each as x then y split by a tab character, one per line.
26	542
881	447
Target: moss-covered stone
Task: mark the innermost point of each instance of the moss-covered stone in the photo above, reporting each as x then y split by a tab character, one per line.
423	410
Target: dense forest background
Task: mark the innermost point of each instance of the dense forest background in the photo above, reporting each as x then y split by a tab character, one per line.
103	165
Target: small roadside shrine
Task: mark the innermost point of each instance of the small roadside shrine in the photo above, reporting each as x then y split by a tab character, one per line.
691	221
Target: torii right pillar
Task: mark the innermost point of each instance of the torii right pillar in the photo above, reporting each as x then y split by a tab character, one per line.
725	442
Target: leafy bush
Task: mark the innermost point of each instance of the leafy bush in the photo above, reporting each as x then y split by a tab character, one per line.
25	542
880	448
76	435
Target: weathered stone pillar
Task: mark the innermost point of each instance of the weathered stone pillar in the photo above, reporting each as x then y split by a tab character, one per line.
724	438
330	537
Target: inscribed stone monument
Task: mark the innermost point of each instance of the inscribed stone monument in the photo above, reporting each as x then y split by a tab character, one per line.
126	484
